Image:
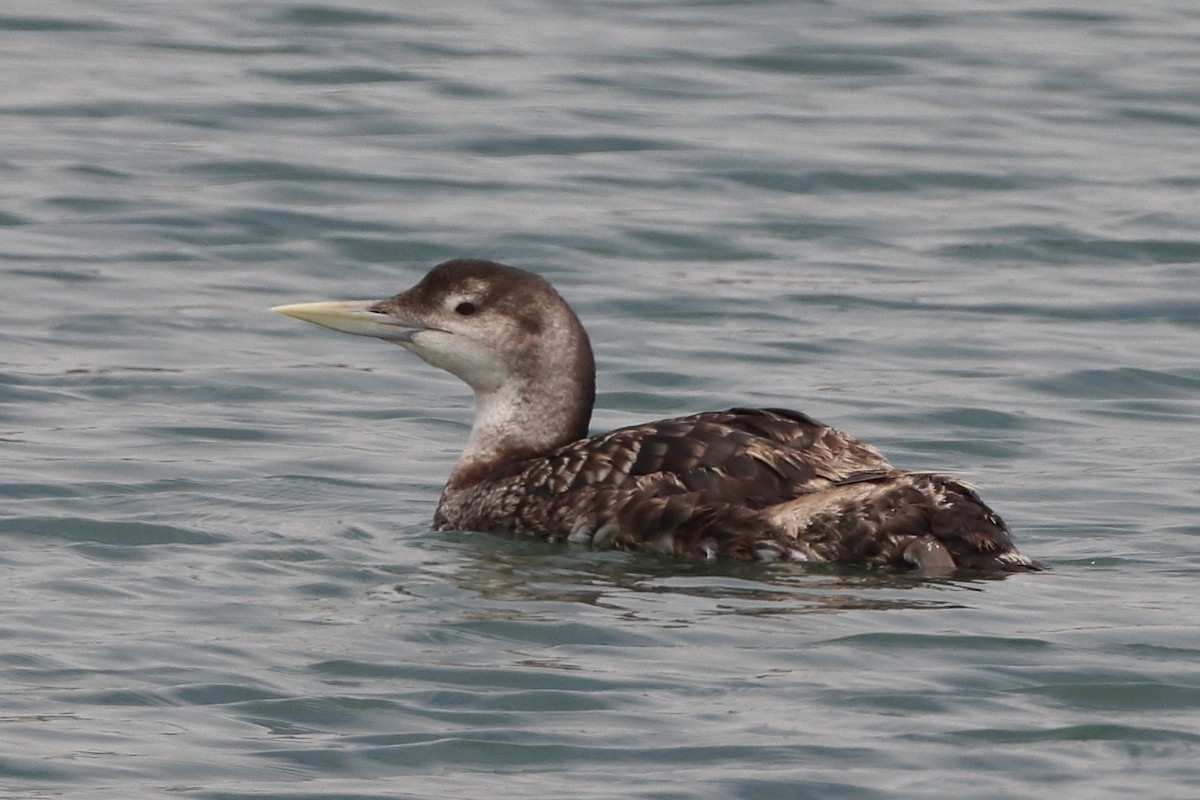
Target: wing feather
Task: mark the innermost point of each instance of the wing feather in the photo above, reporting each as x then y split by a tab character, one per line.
754	457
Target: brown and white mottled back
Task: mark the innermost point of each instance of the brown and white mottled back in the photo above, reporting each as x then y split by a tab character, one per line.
764	484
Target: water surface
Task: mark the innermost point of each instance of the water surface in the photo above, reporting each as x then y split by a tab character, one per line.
965	232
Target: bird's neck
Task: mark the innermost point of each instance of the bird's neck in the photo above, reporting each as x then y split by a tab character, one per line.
523	420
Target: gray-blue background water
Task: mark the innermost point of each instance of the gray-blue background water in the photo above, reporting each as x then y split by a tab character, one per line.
966	232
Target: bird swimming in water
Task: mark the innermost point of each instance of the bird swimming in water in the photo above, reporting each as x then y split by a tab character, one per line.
758	484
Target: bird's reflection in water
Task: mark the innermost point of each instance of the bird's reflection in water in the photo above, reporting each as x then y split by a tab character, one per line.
524	574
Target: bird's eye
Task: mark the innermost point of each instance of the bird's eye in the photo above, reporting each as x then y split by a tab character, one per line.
465	309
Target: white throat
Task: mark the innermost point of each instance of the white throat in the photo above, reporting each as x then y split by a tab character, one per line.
522	419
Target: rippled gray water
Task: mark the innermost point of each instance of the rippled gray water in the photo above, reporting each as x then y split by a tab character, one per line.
964	231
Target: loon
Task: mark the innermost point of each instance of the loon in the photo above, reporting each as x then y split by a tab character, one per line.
760	484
